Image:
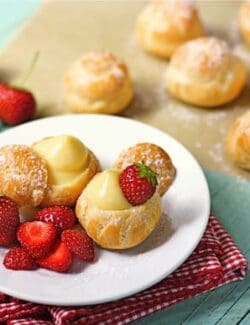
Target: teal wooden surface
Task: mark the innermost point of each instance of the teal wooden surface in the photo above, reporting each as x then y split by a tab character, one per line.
227	305
12	14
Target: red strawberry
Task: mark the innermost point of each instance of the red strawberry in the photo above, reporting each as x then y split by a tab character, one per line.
79	243
61	216
16	105
37	237
18	258
138	183
59	259
9	221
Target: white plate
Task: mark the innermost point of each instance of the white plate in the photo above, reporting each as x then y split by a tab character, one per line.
117	274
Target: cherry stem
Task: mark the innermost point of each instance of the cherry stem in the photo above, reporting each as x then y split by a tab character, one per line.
29	71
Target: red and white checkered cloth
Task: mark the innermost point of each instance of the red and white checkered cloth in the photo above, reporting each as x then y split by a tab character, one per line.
214	262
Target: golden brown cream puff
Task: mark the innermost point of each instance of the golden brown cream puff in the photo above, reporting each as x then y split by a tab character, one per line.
23	175
99	82
163	25
70	165
109	219
155	158
244	21
238	141
205	72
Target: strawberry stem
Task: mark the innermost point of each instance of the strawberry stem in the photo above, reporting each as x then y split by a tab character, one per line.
145	172
30	69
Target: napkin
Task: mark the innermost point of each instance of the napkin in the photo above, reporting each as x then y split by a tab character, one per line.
215	261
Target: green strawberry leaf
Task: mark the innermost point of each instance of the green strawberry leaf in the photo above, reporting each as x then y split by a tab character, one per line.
145	172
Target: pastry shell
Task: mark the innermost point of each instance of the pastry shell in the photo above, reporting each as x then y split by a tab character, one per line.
155	158
204	72
238	141
23	175
99	82
164	25
120	229
244	21
67	194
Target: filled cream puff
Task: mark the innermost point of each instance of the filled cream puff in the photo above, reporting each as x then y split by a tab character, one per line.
206	73
70	165
238	141
109	218
99	82
23	175
155	158
244	21
163	25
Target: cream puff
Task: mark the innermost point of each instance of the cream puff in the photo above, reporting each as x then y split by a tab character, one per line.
99	82
244	20
155	158
206	73
238	141
23	175
163	25
70	165
109	218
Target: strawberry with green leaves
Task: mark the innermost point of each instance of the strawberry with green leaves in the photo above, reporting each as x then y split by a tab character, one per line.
138	183
17	104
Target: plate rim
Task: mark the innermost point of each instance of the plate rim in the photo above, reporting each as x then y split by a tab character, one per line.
55	302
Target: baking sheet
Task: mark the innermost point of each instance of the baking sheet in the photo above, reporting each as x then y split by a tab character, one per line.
63	30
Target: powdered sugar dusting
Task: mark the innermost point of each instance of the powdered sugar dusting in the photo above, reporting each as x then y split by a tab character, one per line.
103	62
208	51
173	12
23	174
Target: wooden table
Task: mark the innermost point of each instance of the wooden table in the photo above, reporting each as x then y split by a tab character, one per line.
227	305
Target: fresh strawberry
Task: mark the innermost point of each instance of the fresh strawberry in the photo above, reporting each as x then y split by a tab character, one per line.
138	183
59	259
79	243
16	105
37	237
18	258
9	221
61	216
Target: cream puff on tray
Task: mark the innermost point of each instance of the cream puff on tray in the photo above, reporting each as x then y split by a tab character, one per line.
238	141
206	73
163	25
98	82
244	21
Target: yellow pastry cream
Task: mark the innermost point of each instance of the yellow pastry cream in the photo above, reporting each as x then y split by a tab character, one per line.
105	193
66	157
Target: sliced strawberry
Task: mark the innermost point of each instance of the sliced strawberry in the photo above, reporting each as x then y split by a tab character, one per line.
18	258
37	237
59	259
9	221
79	243
61	216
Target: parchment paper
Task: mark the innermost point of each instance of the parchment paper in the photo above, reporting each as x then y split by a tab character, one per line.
63	30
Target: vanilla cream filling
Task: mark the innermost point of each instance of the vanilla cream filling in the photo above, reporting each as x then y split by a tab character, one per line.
66	157
105	193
